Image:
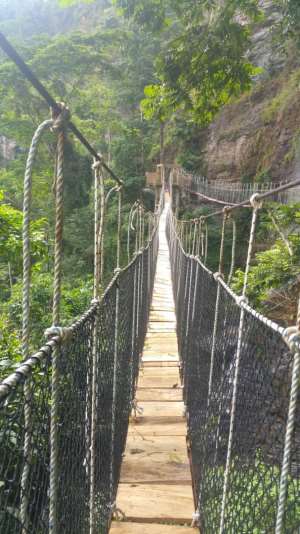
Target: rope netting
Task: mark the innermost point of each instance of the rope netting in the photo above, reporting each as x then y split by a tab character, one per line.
115	383
240	373
64	412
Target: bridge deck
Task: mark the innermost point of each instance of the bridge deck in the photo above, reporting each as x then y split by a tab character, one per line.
155	492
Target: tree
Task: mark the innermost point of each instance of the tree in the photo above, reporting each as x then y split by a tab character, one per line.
203	64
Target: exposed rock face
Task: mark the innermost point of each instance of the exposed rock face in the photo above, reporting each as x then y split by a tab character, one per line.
265	53
245	144
7	149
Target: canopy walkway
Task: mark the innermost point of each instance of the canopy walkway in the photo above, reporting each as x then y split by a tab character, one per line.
92	425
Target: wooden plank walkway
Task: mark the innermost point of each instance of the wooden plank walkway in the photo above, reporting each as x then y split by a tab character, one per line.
155	492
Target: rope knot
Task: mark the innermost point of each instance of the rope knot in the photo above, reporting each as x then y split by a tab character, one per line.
195	519
255	201
117	270
218	275
240	300
61	118
63	333
117	513
227	211
291	336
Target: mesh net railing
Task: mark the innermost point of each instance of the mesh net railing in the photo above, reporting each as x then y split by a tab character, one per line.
113	332
247	502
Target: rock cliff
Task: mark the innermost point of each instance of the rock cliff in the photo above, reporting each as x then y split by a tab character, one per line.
257	137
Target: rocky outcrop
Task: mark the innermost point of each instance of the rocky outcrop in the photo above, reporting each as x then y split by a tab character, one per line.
256	138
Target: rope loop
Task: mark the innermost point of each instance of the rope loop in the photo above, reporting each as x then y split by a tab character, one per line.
291	336
218	275
61	119
255	201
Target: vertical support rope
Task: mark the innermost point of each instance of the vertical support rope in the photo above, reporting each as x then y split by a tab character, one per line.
292	335
26	316
98	230
58	256
102	220
233	251
256	205
119	191
114	400
217	305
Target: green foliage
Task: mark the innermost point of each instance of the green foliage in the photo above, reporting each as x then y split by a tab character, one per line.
291	19
274	267
287	96
203	64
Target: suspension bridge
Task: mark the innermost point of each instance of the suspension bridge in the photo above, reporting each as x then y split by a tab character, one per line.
93	425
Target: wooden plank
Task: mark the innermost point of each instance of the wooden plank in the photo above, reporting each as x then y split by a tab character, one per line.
159	394
155	459
162	379
148	528
156	503
163	358
165	409
160	363
158	426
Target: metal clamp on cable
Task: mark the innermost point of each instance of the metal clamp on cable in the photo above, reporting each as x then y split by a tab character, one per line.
64	333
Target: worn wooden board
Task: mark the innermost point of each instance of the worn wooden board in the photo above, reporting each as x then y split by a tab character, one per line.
149	528
156	503
159	394
155	458
159	377
163	409
161	363
158	426
168	357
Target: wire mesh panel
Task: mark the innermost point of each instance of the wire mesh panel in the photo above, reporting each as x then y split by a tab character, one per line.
93	411
236	372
